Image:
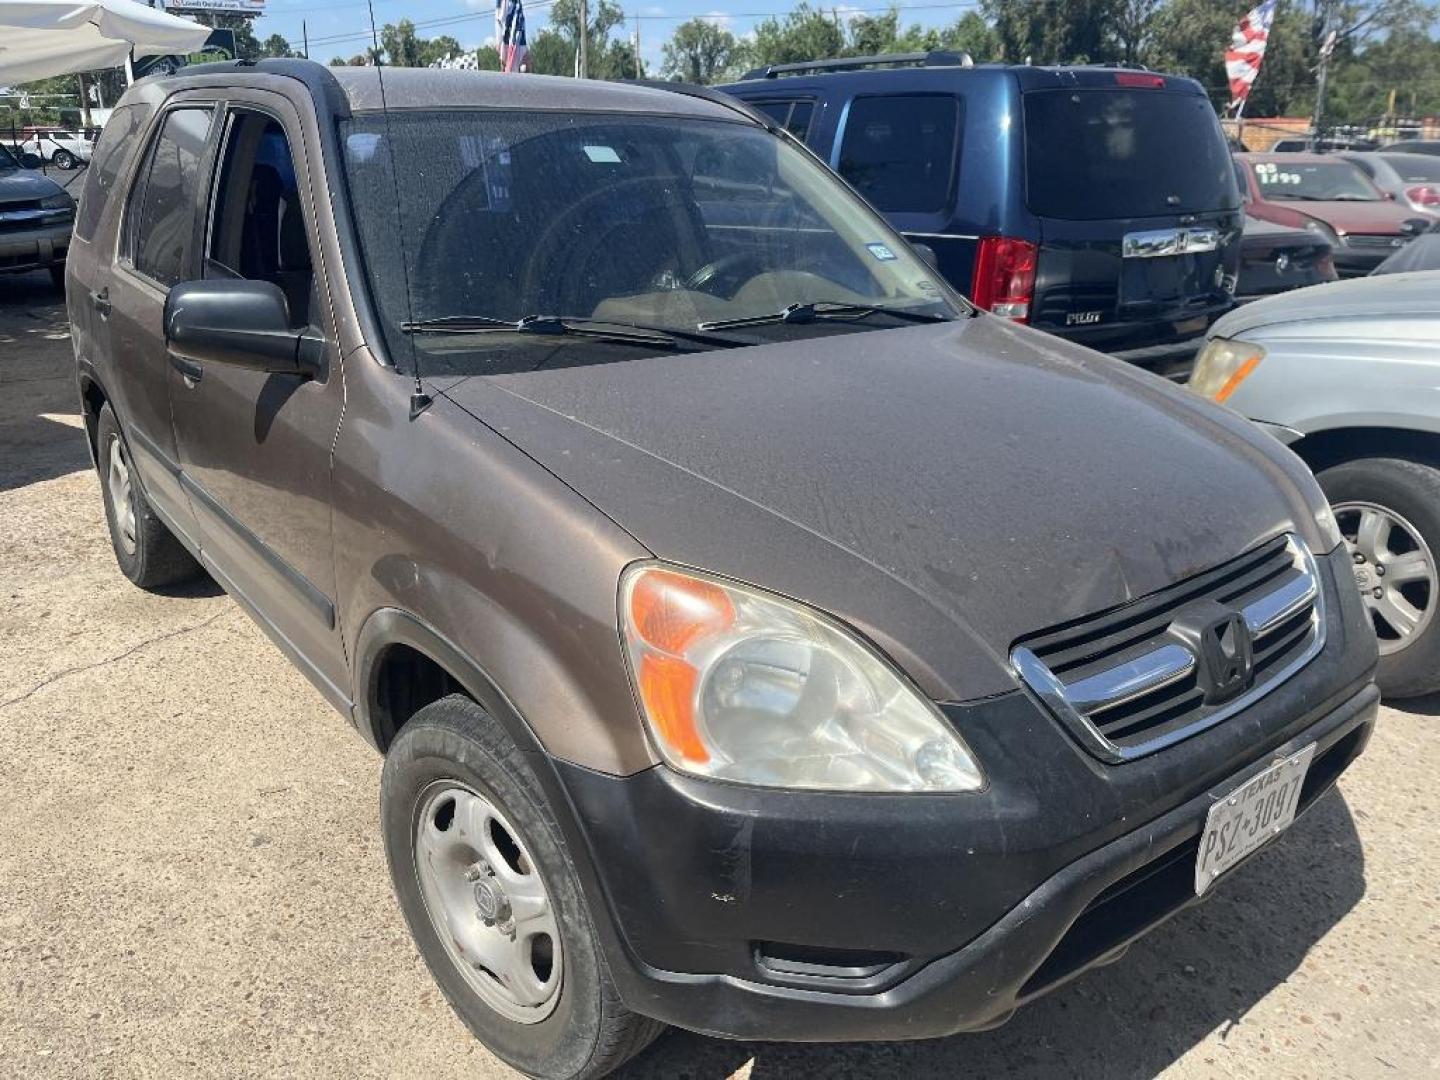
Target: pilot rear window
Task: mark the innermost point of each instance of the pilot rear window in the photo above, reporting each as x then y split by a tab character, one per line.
1097	153
900	151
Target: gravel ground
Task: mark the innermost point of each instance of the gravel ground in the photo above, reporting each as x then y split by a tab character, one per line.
192	882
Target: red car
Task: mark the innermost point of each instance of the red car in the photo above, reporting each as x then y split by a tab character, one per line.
1332	198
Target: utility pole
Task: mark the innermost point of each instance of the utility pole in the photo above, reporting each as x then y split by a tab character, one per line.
1319	118
639	67
305	37
582	62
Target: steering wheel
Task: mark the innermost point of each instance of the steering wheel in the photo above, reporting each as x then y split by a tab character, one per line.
540	279
723	268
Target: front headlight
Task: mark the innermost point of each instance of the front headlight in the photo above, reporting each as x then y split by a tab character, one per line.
57	202
739	685
1223	365
1319	228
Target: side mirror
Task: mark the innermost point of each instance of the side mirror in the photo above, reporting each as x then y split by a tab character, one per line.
241	323
30	161
927	255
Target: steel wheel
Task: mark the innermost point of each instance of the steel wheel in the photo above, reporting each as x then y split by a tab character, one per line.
487	902
122	497
1394	570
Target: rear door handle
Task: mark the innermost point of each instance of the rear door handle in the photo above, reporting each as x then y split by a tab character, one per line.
189	370
100	301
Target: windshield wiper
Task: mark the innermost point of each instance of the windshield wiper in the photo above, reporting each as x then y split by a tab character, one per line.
822	309
550	325
625	333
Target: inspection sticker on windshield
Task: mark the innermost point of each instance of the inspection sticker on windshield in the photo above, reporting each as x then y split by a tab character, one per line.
881	252
1258	810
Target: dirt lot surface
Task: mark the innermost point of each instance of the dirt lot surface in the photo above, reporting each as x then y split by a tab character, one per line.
192	883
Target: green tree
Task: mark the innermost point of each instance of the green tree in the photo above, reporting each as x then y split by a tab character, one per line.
699	51
401	44
971	34
551	53
277	46
1053	31
487	58
438	48
606	59
805	34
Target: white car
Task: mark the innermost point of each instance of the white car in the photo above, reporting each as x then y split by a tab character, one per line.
63	149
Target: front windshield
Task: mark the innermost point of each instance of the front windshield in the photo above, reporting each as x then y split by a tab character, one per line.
668	223
1321	181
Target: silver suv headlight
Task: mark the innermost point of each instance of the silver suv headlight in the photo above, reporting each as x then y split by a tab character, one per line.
1223	364
740	685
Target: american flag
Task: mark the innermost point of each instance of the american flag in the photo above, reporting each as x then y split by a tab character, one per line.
510	35
1247	49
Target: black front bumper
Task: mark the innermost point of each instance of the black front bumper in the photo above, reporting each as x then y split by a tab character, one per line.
764	914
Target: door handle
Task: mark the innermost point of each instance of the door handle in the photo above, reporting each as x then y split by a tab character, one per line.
189	370
100	301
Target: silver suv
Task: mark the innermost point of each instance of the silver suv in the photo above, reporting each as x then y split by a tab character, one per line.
1346	375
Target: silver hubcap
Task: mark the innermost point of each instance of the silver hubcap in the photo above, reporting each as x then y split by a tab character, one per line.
487	902
1394	571
122	499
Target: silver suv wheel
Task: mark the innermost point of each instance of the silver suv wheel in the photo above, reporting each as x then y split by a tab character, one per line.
1394	571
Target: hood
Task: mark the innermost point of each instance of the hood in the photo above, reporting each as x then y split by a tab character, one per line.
22	185
945	489
1397	295
1359	217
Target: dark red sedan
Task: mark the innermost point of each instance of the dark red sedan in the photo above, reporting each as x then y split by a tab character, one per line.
1332	198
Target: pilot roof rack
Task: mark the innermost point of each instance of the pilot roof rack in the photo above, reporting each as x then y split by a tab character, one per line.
938	58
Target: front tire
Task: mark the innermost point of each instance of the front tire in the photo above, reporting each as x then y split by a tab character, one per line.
63	159
147	552
1389	511
493	901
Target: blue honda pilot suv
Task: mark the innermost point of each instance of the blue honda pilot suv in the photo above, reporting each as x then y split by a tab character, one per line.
1096	203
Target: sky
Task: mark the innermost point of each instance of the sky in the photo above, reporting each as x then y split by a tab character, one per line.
339	27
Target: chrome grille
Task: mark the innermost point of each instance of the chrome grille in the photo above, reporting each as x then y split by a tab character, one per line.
1375	240
1128	682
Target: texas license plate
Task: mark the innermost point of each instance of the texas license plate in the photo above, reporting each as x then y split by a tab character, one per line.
1257	811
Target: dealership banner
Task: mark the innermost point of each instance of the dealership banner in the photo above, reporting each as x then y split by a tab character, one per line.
234	7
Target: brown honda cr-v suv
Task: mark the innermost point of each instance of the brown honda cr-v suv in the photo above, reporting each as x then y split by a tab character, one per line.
760	639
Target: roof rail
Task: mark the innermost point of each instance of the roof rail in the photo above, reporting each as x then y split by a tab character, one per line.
854	63
705	93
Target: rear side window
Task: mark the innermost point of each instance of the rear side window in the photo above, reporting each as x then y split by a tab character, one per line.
162	219
793	116
900	151
109	158
1123	153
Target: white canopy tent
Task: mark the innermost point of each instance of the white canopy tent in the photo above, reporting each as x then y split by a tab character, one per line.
43	38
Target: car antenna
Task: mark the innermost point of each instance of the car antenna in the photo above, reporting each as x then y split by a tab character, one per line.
419	400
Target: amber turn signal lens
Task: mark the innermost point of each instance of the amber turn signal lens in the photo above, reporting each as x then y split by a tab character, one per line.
1233	382
671	612
668	686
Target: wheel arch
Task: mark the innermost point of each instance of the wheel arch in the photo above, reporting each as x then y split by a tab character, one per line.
403	664
1333	446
